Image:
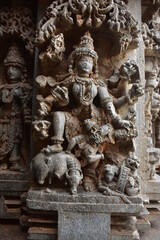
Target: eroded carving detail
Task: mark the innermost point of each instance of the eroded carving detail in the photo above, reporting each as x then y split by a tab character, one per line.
90	14
18	22
54	51
48	164
151	36
152	43
121	181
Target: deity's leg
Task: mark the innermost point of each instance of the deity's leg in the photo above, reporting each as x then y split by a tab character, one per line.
58	130
89	179
15	158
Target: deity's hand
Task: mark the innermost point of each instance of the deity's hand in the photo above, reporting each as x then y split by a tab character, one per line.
136	91
104	189
120	123
44	108
107	191
60	95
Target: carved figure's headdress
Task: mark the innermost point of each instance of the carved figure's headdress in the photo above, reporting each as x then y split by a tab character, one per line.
14	58
90	125
85	48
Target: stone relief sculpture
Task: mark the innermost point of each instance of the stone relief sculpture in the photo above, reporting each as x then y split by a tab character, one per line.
119	83
20	25
15	94
91	164
152	82
15	89
17	33
62	165
85	126
151	39
121	181
91	14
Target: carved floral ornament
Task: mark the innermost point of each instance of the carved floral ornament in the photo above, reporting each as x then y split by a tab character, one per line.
18	22
89	14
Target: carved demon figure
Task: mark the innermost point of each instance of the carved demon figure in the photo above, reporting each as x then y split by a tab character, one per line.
14	111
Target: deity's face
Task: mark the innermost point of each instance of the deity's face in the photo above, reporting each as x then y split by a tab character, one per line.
84	65
110	173
13	73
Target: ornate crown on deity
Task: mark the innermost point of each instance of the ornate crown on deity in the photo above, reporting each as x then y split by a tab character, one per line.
86	47
14	58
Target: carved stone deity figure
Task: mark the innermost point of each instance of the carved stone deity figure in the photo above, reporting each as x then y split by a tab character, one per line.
84	86
108	183
120	181
15	93
151	38
152	82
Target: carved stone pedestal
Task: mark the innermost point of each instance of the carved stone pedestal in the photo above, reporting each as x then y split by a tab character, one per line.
153	190
13	183
12	186
84	215
153	185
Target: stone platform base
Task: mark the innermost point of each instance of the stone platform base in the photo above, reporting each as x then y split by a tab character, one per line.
153	190
13	183
12	187
84	216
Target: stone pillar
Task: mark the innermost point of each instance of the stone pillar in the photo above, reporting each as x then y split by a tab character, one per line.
141	140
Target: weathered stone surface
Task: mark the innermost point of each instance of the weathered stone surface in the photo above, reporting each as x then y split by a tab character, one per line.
142	225
81	216
125	234
11	231
83	202
11	212
42	233
13	182
153	190
83	225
